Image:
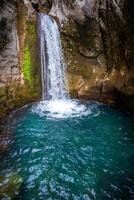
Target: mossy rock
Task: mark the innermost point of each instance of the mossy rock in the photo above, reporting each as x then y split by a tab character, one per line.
10	186
74	94
27	65
30	68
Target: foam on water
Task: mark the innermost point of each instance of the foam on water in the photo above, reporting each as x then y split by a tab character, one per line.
61	109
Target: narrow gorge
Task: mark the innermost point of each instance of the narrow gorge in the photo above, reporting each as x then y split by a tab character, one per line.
66	100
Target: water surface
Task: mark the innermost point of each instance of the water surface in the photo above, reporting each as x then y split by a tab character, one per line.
85	153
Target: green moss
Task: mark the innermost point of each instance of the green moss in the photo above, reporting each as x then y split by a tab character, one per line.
27	65
29	54
31	28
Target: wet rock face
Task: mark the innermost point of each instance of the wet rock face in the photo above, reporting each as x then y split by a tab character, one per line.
98	41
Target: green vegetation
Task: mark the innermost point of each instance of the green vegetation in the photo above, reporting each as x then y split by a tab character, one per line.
27	65
29	52
31	29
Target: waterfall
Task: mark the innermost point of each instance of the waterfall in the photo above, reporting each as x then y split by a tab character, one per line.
55	99
52	60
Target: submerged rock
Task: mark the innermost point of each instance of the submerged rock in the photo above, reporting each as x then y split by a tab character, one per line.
10	186
6	139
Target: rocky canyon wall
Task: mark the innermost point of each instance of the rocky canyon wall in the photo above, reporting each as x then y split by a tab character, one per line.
98	40
19	66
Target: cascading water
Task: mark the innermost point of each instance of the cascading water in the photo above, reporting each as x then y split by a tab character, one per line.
52	61
55	99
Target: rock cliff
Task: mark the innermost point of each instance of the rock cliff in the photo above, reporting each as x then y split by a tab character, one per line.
19	66
98	40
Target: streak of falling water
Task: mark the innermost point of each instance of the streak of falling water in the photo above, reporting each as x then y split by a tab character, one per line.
52	60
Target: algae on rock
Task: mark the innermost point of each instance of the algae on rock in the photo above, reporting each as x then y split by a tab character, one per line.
10	186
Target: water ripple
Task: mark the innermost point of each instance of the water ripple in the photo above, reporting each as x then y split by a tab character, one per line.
85	156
